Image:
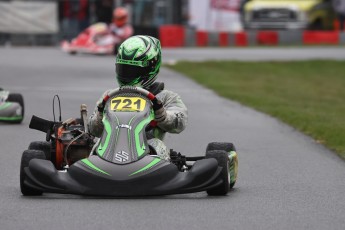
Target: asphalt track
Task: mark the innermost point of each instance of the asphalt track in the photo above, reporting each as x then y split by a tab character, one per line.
286	180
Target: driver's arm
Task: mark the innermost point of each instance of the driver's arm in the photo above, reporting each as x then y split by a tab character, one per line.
94	123
176	112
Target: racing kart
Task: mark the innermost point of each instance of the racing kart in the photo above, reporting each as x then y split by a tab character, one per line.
96	39
120	163
11	107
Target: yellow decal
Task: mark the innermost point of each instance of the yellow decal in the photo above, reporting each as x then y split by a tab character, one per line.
127	104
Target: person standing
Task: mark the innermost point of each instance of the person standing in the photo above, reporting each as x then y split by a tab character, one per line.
104	11
339	8
73	17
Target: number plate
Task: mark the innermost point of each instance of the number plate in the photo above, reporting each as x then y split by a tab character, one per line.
125	104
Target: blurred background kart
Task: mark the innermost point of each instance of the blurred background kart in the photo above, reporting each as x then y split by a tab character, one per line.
96	39
11	107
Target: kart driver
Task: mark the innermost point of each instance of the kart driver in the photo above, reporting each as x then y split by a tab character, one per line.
137	64
115	33
119	26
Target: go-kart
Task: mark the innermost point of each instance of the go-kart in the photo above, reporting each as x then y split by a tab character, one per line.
11	107
96	39
120	163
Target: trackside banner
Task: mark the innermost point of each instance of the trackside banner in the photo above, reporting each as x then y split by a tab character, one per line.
215	15
28	17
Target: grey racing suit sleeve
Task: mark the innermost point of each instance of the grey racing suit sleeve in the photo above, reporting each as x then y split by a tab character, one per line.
175	121
177	114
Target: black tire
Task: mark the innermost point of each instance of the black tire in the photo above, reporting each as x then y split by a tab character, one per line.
16	97
27	156
44	146
228	147
223	161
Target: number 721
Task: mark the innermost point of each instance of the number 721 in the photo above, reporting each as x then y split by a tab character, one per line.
128	104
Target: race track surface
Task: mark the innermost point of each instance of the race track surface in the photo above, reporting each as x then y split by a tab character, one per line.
286	180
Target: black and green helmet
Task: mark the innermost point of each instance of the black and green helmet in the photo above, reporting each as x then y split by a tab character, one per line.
138	61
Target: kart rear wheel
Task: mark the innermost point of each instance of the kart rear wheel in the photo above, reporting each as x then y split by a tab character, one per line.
16	97
27	156
232	154
223	161
44	146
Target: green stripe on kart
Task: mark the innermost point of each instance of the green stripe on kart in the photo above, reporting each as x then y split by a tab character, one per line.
16	118
101	148
94	167
141	148
129	133
150	165
5	105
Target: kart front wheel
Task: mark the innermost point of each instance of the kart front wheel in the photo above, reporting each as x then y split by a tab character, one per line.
43	146
232	154
223	161
226	146
27	156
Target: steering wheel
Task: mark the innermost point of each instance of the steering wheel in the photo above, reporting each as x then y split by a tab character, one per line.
156	104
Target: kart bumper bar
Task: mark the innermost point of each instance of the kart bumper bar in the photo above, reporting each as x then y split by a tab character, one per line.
162	179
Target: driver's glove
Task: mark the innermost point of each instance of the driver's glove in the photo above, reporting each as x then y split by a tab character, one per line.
160	115
100	108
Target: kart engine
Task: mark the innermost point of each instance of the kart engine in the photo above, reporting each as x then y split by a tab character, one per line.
69	140
72	143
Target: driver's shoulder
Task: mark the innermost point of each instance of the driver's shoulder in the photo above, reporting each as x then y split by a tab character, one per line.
166	95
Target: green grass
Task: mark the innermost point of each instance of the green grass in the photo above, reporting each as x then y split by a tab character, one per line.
308	95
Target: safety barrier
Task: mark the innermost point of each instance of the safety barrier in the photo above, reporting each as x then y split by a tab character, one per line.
28	22
180	36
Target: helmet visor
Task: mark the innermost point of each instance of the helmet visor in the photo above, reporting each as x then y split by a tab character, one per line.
130	74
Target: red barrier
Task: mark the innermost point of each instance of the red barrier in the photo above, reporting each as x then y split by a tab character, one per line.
223	39
175	36
267	38
172	35
320	37
201	38
241	39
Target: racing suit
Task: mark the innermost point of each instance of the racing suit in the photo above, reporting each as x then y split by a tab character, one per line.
122	32
175	122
